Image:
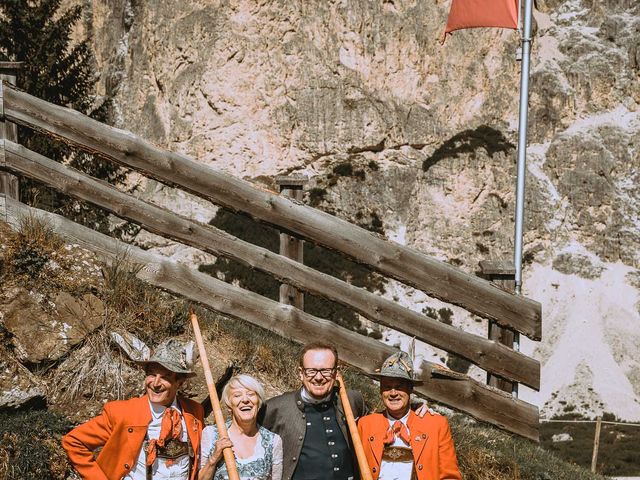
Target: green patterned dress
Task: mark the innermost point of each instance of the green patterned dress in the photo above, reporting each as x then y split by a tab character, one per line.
264	464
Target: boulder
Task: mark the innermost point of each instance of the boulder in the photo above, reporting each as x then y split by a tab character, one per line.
19	388
44	335
561	437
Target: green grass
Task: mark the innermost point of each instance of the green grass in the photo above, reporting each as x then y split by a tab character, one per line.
618	453
30	446
486	453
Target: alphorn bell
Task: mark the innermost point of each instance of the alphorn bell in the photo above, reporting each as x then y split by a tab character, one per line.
229	459
365	473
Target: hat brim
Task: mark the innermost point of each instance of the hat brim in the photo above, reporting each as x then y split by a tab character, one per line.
172	367
379	376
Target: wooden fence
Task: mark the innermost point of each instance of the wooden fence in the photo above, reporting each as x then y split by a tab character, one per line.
402	263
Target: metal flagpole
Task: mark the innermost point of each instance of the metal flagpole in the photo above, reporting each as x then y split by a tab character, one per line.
522	142
522	158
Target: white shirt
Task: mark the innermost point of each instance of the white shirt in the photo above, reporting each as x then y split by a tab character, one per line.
397	470
179	470
307	398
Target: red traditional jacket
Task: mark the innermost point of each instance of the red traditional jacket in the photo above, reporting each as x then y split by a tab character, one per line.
121	429
434	456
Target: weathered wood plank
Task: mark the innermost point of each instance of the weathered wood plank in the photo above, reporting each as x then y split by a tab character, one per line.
9	184
502	273
407	265
490	355
290	246
461	392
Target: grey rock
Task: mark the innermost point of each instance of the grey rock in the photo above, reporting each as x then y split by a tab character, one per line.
561	437
19	388
573	264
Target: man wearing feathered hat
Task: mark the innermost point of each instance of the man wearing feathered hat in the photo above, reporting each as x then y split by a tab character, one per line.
155	436
398	444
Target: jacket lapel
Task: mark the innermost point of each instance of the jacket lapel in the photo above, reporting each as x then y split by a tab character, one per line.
376	440
138	423
141	412
193	424
419	436
340	417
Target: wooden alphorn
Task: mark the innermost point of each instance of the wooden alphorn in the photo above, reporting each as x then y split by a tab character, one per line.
365	473
229	459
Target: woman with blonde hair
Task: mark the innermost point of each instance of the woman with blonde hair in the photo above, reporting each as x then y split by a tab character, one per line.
258	451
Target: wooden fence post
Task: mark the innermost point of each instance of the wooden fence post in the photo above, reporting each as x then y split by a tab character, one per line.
596	444
502	273
9	184
291	186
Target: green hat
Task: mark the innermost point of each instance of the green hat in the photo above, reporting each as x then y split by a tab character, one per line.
175	356
398	365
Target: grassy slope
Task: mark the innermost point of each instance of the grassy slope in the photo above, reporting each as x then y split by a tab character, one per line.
618	453
484	453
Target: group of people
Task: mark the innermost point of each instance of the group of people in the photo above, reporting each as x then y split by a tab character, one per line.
299	435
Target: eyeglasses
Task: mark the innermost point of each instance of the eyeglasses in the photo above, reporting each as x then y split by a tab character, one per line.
325	372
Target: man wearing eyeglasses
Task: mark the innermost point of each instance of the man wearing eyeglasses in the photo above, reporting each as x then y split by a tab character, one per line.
311	422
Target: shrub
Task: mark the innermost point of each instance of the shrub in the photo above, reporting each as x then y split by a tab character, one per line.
446	315
344	169
32	247
30	446
317	196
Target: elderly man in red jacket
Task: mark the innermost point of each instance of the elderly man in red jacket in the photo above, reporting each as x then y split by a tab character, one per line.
398	444
150	437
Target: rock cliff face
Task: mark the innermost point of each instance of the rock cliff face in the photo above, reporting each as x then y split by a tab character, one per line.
391	125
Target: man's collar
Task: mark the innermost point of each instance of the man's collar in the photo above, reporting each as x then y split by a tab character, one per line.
157	410
404	419
308	398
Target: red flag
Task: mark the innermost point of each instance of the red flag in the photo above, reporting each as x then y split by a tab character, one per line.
482	13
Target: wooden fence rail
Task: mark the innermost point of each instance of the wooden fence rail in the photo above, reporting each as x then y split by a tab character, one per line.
488	354
9	184
435	278
455	390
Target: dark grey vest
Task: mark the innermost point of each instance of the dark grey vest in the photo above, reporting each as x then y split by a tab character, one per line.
285	416
325	453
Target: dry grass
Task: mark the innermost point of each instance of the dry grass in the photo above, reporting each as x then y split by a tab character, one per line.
98	370
145	311
95	372
36	258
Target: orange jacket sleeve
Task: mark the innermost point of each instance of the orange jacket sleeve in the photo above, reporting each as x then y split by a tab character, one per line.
80	443
448	462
